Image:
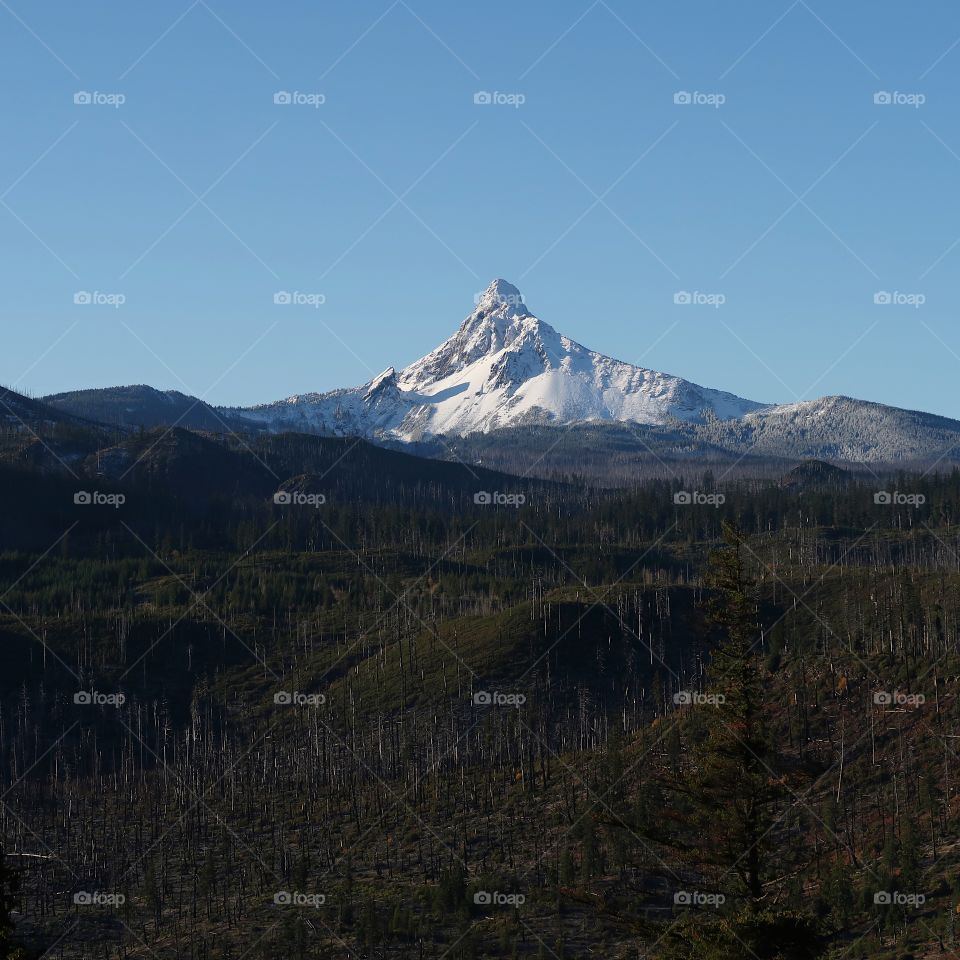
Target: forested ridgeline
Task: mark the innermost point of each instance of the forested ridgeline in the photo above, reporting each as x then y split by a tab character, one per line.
688	719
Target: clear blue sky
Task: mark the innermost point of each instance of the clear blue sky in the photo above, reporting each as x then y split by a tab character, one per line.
399	198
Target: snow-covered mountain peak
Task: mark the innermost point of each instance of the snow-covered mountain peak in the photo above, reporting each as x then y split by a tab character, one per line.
500	321
502	367
498	318
502	298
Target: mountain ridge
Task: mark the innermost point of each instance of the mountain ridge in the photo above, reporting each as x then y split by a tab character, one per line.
504	369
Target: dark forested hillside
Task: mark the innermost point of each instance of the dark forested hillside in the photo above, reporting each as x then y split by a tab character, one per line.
141	406
303	696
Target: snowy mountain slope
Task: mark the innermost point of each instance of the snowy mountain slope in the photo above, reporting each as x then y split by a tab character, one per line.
839	428
873	437
502	368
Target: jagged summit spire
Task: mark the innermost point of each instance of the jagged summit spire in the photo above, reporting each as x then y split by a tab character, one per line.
498	320
502	296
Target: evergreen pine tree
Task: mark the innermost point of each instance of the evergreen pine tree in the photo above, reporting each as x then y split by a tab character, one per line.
736	788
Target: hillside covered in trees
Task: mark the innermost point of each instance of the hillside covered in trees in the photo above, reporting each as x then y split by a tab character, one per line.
305	697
